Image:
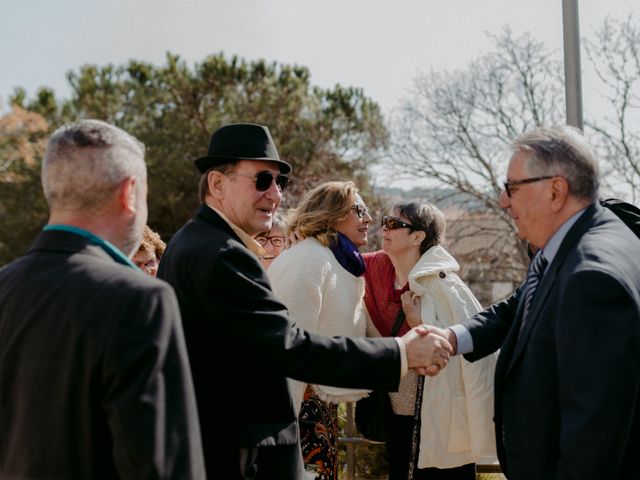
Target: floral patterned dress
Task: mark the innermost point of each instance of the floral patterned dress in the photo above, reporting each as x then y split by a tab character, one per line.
319	436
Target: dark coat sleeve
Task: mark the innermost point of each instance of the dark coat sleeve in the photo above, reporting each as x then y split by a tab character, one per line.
490	328
271	342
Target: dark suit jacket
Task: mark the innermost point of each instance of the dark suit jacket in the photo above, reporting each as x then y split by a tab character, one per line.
242	346
94	377
568	387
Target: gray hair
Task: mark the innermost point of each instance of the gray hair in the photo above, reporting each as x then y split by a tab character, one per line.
428	218
85	162
279	220
564	152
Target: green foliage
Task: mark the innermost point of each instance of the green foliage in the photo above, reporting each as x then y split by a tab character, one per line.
173	109
370	460
326	134
23	209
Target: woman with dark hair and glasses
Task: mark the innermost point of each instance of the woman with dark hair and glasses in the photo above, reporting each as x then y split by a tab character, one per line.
414	272
273	241
320	281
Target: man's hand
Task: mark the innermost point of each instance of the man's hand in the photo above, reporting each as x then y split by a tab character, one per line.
447	334
427	352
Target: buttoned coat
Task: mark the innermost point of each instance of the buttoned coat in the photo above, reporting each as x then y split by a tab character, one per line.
567	385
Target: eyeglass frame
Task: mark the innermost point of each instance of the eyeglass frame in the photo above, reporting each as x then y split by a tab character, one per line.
280	179
400	223
270	238
149	264
524	181
360	209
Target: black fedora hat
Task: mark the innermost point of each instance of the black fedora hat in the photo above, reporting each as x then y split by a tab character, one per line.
241	141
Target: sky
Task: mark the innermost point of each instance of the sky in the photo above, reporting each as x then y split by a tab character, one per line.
378	45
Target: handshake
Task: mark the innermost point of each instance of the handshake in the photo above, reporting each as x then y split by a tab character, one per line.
429	348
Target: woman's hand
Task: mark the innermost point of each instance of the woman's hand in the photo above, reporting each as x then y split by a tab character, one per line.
411	304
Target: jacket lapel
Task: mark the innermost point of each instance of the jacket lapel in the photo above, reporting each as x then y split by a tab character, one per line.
506	350
520	338
208	215
522	334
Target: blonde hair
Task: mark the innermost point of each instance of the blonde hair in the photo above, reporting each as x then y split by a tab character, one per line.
151	242
320	210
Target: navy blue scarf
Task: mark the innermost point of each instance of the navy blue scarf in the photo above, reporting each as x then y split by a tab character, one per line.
348	256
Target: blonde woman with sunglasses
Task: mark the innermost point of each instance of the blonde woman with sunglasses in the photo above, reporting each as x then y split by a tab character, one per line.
414	271
320	280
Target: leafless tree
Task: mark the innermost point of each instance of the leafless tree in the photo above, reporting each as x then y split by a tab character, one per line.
615	58
453	131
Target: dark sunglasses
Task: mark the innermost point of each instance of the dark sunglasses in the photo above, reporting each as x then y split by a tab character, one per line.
391	223
509	185
360	210
264	180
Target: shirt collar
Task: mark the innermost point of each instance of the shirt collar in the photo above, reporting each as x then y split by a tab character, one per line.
553	245
248	241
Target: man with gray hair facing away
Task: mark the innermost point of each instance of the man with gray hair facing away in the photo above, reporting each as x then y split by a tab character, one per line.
94	376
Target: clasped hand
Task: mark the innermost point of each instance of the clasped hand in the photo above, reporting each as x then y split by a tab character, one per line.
436	346
427	352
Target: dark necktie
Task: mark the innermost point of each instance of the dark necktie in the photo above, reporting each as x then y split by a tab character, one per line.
536	270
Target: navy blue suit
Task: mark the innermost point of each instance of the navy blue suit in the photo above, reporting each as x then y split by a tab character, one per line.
567	387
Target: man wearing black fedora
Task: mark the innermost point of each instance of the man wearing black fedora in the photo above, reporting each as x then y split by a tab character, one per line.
247	417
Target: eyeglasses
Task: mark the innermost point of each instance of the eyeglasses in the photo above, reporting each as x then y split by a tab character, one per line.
509	185
360	210
264	179
148	265
391	223
276	240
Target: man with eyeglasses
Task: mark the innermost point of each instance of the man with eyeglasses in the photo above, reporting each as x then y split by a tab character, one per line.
241	342
567	383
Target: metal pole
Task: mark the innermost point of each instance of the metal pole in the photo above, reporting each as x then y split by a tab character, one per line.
572	73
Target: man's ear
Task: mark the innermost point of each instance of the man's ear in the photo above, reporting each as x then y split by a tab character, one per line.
127	194
215	181
559	193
